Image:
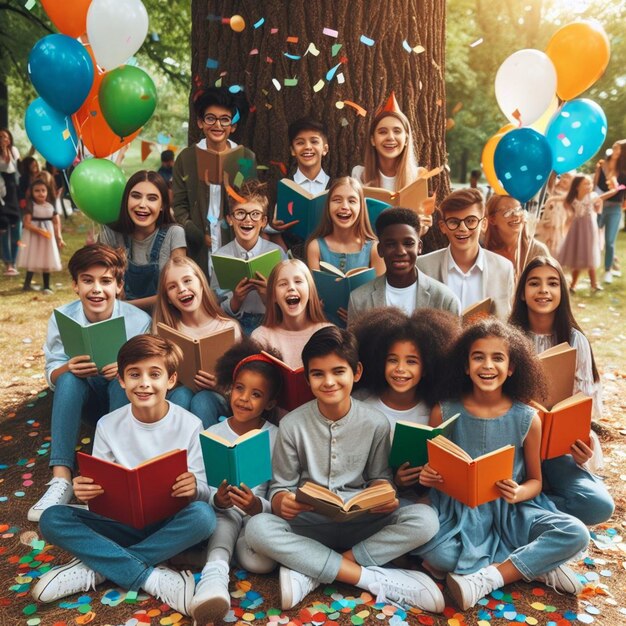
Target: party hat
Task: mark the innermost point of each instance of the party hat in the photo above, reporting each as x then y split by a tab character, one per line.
390	105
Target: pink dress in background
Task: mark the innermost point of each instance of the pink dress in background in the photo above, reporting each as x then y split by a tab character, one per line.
38	253
581	248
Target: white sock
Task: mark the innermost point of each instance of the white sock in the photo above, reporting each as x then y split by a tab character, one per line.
211	562
368	577
150	585
494	574
219	554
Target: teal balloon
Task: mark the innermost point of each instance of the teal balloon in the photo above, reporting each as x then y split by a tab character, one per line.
97	187
127	98
52	133
61	71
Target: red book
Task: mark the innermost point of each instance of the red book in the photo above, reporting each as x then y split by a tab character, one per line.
294	390
137	496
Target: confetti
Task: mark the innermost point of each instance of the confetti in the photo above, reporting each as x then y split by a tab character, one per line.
331	72
276	84
476	43
330	32
312	50
259	23
367	40
212	64
292	39
335	49
357	107
319	85
290	82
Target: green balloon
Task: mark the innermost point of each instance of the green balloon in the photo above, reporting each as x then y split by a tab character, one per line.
127	98
97	187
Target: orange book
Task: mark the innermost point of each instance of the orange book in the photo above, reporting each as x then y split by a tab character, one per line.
470	481
294	390
477	311
559	366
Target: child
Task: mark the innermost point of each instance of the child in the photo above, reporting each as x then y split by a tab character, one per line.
109	550
166	171
247	219
542	310
520	535
555	218
403	285
97	278
42	239
469	270
254	383
337	442
294	311
146	230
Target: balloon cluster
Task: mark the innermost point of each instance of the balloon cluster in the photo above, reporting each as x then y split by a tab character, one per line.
548	129
87	94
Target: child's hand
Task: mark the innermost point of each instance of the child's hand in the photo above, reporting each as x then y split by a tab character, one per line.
60	242
390	507
510	490
342	314
581	451
82	366
109	371
85	489
204	380
290	508
260	284
429	477
426	221
280	225
243	497
243	288
222	497
407	476
207	237
185	486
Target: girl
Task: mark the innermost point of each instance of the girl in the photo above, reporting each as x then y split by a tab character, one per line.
146	230
30	171
185	302
520	535
294	311
555	219
254	384
542	310
42	238
10	219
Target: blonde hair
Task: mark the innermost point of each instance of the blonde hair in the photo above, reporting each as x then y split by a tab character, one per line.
274	314
251	191
406	170
165	312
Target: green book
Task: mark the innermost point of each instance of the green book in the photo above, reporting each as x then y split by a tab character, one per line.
246	460
295	203
409	441
100	340
231	270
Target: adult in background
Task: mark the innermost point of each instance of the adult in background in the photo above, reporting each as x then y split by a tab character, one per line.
10	222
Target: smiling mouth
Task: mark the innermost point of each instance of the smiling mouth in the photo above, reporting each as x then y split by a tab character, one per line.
95	299
142	215
247	229
143	395
487	376
186	299
292	300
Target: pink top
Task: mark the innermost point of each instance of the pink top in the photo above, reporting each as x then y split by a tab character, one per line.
212	326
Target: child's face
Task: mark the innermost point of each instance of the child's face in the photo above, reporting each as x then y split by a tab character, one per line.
183	289
250	396
489	364
403	366
564	182
399	246
344	206
308	148
247	220
97	289
331	379
144	205
216	124
542	291
508	219
146	383
389	138
33	168
463	239
585	187
292	291
39	194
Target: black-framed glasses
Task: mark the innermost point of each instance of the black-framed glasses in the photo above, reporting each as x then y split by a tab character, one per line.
507	213
471	222
224	120
241	214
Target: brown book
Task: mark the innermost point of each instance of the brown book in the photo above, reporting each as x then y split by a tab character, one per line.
332	505
477	311
559	366
470	481
238	162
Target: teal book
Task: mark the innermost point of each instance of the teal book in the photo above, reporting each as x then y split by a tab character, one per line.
375	208
100	340
246	460
409	441
230	271
295	203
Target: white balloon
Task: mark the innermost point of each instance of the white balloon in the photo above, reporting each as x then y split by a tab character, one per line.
116	30
525	86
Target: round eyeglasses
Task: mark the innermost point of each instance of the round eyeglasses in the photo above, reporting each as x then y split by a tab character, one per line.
224	120
241	214
471	222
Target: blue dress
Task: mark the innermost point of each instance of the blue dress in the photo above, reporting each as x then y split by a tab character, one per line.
346	261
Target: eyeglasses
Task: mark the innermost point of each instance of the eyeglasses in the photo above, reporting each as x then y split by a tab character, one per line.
471	222
224	120
518	210
241	214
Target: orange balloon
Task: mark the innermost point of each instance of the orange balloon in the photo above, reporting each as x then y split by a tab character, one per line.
69	17
506	128
486	162
580	53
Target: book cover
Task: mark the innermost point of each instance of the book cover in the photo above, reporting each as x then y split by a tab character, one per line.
559	367
294	390
230	271
246	460
100	340
477	311
375	208
238	162
295	203
137	496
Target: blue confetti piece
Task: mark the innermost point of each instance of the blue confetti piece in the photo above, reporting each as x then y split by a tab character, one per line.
570	615
332	71
367	41
235	88
212	219
293	57
259	23
212	64
223	418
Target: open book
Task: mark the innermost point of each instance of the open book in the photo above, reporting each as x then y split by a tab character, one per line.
238	162
293	202
294	389
230	271
332	505
198	354
100	340
136	496
246	460
470	481
477	311
559	366
409	441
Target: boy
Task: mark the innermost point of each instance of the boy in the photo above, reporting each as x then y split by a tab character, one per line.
167	166
402	285
148	427
246	302
79	388
469	270
337	442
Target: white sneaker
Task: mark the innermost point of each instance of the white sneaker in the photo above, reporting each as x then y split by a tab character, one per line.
468	590
294	587
211	601
407	587
65	580
608	277
173	588
562	579
59	491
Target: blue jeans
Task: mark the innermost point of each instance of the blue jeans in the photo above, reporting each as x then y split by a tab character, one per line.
120	553
611	217
209	406
10	237
576	491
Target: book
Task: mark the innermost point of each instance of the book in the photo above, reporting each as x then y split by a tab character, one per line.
198	354
477	311
246	460
230	271
293	202
238	162
409	441
470	481
332	505
100	340
559	366
563	424
375	208
294	388
137	496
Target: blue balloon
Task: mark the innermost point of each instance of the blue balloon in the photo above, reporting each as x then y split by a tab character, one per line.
522	161
61	70
575	134
52	133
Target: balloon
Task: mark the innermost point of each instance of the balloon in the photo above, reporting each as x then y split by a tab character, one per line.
525	85
52	133
542	123
522	162
61	71
576	134
97	187
506	128
116	30
127	98
486	162
580	53
237	23
69	17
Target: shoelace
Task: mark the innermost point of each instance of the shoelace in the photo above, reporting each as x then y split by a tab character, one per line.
88	576
385	586
56	491
168	584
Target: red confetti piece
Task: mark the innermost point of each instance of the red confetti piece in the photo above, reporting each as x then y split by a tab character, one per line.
290	211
